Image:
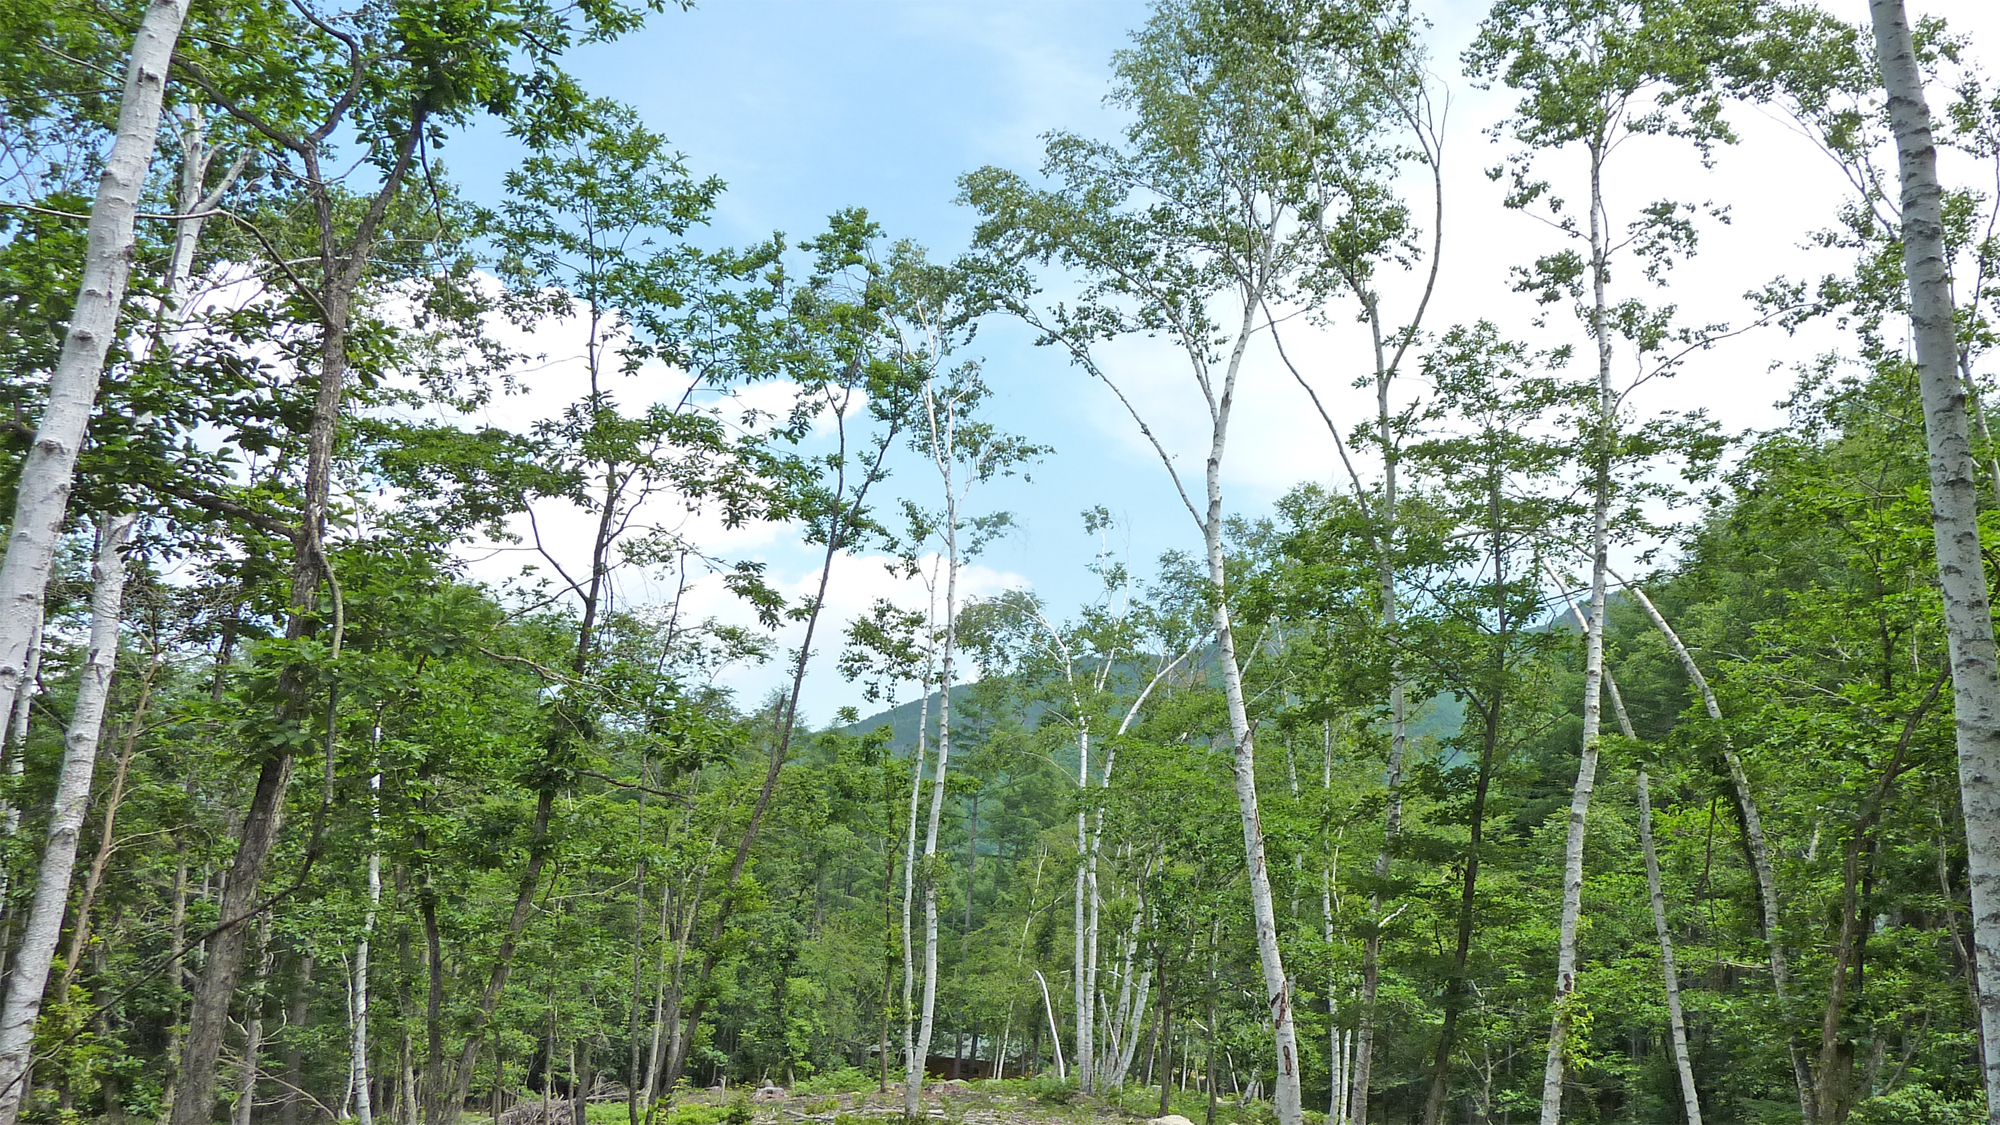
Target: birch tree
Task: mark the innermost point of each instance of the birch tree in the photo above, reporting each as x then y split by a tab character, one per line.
1356	226
964	450
43	926
394	83
1592	74
1080	671
1188	231
42	494
1962	579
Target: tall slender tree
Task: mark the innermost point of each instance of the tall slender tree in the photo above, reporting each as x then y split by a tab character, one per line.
1594	73
395	82
1962	578
1191	230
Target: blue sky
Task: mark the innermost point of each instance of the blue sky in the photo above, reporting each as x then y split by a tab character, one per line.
807	107
804	108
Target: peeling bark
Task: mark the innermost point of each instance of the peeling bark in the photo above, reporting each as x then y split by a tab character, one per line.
1975	665
39	935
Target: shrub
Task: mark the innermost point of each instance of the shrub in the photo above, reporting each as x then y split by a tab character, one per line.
1917	1104
846	1080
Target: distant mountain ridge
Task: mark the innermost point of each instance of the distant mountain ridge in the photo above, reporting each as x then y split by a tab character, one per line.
1440	717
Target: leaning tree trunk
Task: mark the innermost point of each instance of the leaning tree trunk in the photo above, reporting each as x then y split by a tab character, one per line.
45	914
16	750
42	491
1676	1023
1975	668
446	1099
1602	427
1760	849
840	529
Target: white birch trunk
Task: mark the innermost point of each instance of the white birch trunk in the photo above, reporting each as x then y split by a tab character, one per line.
1676	1023
1055	1031
943	451
1143	991
1760	848
1277	986
1593	662
913	1089
358	1049
42	493
910	1059
1975	667
33	957
1090	1077
1085	953
17	751
1086	931
17	729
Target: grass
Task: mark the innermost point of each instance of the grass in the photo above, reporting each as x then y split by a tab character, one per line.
847	1097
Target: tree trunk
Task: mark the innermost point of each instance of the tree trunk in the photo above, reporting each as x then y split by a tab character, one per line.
910	1058
1600	437
42	490
839	531
1214	932
913	1087
358	1050
253	1032
965	932
654	1058
17	762
638	980
1468	889
448	1101
1277	986
1392	820
177	935
1954	513
342	270
1760	849
581	1080
43	929
107	835
1080	983
667	1056
298	1018
1163	1033
888	935
1676	1023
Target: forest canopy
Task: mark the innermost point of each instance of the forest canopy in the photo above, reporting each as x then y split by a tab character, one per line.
402	716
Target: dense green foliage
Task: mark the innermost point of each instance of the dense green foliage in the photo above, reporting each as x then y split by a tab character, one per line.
579	867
